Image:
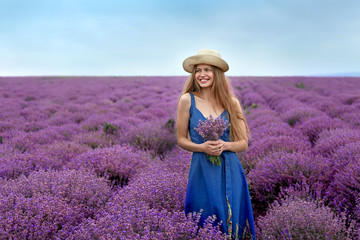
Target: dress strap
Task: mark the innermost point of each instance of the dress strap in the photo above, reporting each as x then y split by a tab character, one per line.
192	100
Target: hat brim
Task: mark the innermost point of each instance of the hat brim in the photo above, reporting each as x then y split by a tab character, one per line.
190	62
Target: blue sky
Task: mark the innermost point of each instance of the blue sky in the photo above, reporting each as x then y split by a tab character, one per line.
153	37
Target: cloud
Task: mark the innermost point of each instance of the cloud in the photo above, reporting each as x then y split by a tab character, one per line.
153	37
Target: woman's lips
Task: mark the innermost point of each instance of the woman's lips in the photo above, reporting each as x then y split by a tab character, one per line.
204	80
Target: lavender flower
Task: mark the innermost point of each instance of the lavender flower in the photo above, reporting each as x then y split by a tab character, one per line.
62	177
296	218
211	130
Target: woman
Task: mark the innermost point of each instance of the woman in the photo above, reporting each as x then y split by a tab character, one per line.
215	190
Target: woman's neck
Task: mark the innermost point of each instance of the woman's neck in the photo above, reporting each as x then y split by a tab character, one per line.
205	94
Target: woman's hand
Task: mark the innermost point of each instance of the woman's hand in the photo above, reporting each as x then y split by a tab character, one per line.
238	146
213	148
225	145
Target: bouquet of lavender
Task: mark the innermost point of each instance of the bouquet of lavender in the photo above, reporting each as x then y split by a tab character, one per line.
211	130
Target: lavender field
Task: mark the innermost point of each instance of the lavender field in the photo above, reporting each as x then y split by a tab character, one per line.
97	158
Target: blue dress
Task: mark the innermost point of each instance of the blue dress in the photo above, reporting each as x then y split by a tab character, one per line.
219	190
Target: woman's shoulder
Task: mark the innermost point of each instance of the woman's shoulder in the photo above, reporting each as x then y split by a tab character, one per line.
184	103
235	100
237	104
185	98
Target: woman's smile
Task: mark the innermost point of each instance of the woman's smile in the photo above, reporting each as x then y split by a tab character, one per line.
204	75
204	80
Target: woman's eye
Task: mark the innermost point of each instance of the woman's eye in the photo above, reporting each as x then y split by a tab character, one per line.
205	70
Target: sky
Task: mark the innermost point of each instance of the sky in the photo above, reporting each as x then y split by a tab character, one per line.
153	37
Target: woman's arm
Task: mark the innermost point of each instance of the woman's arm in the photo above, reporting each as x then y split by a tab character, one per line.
241	145
182	125
238	146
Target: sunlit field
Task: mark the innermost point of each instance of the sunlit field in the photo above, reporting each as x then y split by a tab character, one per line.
97	158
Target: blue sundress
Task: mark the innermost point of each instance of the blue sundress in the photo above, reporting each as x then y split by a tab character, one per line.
219	190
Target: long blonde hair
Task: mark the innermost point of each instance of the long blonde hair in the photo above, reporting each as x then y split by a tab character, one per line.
223	95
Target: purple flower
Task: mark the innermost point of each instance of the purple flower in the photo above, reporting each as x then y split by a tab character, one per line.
301	219
211	130
63	177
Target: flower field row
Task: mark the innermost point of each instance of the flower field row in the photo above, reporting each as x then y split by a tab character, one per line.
97	158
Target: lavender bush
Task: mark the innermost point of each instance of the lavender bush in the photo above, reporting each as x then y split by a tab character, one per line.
279	170
117	164
156	137
49	204
96	158
314	126
344	192
330	140
296	218
260	148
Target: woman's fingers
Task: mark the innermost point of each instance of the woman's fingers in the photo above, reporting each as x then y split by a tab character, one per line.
215	148
213	143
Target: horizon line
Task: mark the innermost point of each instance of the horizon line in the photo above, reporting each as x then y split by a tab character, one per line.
97	76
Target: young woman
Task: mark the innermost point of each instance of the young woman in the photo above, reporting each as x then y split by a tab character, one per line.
215	190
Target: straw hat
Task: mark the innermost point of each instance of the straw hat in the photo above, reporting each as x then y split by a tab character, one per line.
205	56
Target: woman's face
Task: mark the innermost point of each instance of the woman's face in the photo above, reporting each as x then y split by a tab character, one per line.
204	75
